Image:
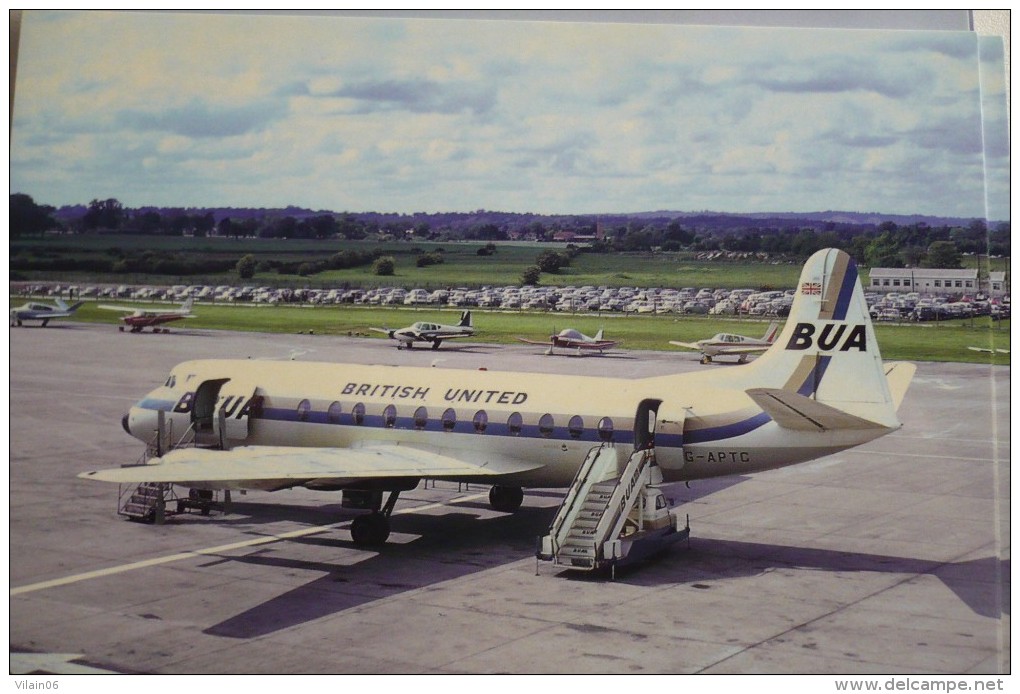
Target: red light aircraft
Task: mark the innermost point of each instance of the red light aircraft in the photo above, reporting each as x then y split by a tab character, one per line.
141	318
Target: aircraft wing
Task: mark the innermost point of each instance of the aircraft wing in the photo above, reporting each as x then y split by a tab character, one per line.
604	344
688	345
122	309
543	343
749	349
292	466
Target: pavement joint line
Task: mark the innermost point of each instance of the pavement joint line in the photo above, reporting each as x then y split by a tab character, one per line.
219	549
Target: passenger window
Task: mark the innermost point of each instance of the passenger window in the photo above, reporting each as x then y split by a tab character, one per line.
421	418
358	412
576	426
390	416
515	422
546	425
606	429
333	413
481	421
449	419
304	407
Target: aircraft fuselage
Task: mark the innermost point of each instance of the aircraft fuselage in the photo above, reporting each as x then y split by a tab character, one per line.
485	417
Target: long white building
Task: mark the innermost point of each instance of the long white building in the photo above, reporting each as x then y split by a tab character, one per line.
935	281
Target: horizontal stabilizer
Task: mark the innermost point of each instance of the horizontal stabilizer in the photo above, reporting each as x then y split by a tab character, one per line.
293	466
793	411
899	375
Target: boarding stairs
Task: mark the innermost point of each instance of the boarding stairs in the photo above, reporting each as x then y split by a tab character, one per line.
148	501
584	533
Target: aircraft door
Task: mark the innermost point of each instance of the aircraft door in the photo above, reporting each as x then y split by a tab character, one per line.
644	424
235	404
203	410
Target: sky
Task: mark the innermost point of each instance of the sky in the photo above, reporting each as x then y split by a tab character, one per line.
430	115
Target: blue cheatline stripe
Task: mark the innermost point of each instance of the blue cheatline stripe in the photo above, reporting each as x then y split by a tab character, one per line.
157	404
727	431
407	423
814	379
846	291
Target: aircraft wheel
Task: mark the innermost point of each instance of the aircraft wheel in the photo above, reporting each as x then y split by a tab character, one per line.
370	530
506	499
435	345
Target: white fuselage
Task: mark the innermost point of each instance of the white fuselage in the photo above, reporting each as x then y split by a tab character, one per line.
704	424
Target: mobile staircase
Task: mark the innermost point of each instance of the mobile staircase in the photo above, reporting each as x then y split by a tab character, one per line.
147	502
611	518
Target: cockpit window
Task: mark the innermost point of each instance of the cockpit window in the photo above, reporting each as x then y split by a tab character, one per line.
171	381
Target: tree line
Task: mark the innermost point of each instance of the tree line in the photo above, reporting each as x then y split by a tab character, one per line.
914	242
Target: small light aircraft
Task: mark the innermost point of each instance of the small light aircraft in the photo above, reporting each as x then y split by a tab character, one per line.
433	333
574	339
145	318
43	312
727	343
365	430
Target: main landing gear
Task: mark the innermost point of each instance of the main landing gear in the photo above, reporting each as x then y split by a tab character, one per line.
506	499
373	529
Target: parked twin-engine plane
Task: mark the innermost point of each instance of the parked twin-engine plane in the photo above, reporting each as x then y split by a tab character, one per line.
821	388
724	344
574	339
141	318
431	333
44	313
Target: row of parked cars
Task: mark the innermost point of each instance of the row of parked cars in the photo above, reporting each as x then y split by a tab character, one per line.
656	300
916	307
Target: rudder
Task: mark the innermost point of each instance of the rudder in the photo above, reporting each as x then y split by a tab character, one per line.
827	350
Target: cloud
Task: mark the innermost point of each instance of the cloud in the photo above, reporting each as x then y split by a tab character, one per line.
201	120
420	96
221	109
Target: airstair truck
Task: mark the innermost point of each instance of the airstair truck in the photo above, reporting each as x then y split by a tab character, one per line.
610	518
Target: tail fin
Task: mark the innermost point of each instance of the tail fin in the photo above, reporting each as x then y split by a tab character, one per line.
770	334
465	320
827	350
598	335
74	307
186	306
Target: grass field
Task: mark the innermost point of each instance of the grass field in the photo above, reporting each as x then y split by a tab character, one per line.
462	267
948	341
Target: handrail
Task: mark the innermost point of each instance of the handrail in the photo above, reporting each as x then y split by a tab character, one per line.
627	482
571	499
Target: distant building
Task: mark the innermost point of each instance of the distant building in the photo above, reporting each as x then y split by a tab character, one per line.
923	280
998	282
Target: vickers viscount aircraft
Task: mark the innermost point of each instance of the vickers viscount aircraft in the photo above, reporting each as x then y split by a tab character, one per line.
148	318
728	344
574	339
43	312
364	430
432	333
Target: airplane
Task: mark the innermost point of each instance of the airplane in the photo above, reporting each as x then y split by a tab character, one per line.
42	312
433	333
728	343
574	339
141	318
364	430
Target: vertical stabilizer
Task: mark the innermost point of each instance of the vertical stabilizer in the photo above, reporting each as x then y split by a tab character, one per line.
827	350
